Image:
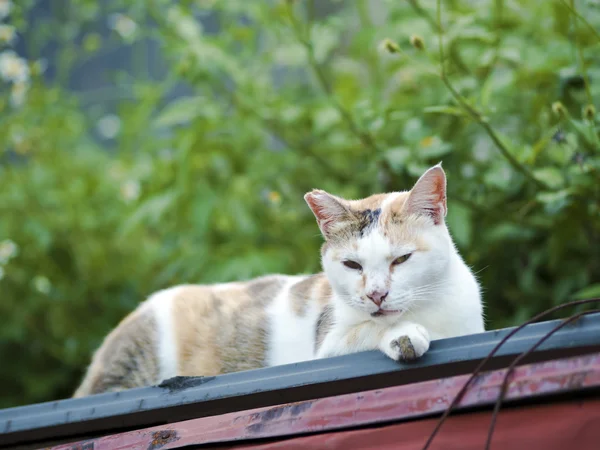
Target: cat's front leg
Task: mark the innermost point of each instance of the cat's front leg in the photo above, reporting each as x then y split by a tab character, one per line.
344	340
405	342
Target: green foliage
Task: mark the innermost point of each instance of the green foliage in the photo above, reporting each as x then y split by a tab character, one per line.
209	187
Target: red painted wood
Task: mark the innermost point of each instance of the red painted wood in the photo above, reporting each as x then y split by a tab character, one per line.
556	426
351	410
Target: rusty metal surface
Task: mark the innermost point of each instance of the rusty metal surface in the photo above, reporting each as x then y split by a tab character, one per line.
557	426
52	422
365	408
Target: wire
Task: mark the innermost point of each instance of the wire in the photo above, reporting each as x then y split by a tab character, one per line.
511	368
478	369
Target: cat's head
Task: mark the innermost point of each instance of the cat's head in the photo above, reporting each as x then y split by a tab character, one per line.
384	254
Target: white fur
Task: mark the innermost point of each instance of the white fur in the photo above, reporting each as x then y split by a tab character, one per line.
225	286
431	295
436	292
388	201
161	303
418	335
291	338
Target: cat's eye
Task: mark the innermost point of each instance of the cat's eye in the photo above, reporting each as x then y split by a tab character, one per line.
401	259
352	265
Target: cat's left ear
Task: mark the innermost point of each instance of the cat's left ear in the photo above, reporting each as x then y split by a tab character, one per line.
428	195
332	213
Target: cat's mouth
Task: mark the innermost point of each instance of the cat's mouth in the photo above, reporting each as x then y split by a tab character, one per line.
385	312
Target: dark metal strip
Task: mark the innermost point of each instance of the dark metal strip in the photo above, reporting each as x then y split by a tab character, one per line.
391	404
201	397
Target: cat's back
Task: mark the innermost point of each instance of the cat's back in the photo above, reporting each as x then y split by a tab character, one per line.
237	326
193	330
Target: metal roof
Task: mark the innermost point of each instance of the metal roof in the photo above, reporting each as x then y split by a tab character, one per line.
190	398
379	407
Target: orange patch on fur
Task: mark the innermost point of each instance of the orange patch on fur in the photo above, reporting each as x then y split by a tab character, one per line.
400	226
373	202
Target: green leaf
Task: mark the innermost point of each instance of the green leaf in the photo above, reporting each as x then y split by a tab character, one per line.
500	176
179	112
292	55
149	211
433	147
554	202
413	130
326	118
583	130
588	292
460	223
397	157
506	232
416	169
550	176
324	40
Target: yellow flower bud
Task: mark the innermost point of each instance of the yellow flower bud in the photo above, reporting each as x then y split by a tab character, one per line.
559	109
390	46
589	112
417	42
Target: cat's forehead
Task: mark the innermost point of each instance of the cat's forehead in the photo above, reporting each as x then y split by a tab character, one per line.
380	218
379	211
372	203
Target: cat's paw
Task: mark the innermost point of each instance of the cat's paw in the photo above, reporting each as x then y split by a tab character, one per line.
406	342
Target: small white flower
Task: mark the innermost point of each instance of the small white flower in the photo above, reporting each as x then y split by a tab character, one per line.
130	191
8	250
13	68
108	126
5	8
8	34
18	93
123	25
42	284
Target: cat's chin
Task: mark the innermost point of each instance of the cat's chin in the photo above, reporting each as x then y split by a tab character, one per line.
386	312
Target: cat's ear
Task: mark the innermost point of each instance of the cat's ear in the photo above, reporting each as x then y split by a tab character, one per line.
428	195
332	212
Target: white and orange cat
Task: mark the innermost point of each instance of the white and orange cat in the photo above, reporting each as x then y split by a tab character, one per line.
392	281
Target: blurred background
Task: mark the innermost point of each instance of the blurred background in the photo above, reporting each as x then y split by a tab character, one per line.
150	143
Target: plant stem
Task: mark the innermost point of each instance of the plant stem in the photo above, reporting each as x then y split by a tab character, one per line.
373	60
423	13
475	114
498	11
275	130
581	18
580	59
364	136
586	80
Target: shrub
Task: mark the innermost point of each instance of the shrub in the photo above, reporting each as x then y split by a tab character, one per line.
109	194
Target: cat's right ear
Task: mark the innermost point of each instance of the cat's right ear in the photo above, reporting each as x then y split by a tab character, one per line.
428	195
331	211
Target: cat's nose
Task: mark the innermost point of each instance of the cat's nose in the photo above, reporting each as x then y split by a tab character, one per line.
378	297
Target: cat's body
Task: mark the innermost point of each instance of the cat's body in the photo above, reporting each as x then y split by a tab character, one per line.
392	281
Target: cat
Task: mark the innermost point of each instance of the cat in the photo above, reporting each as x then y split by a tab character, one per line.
392	280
